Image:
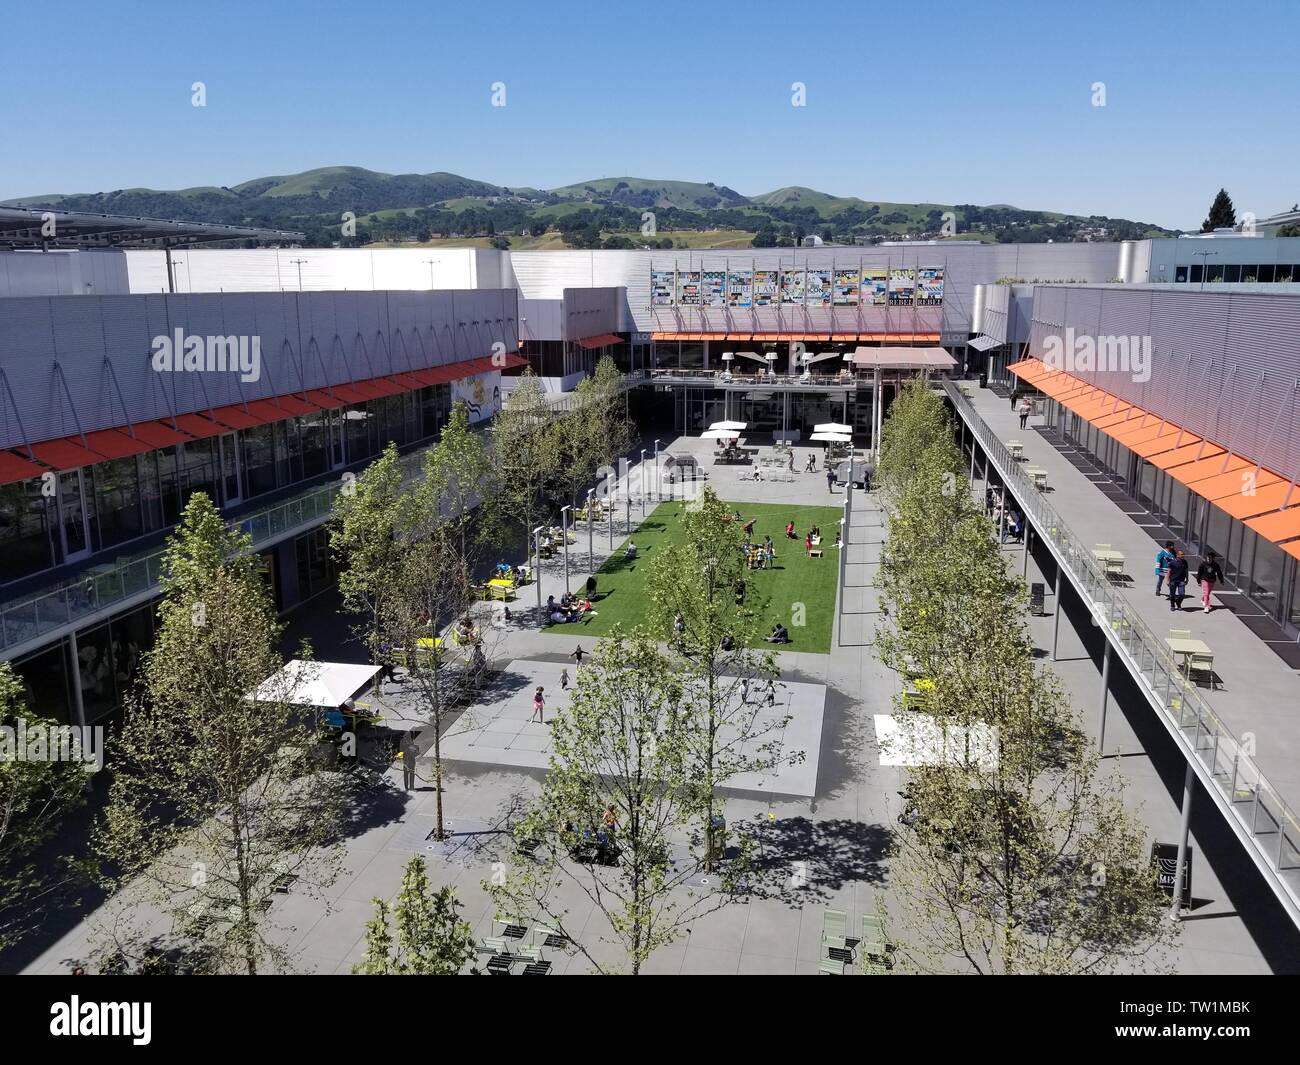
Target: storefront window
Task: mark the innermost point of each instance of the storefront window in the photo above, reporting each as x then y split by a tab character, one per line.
117	501
259	459
25	532
44	677
199	469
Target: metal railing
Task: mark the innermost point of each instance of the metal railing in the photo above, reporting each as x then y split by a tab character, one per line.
760	380
1226	765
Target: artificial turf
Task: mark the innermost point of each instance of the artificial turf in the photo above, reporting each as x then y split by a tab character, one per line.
794	577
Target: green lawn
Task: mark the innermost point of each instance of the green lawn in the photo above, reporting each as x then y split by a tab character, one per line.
795	578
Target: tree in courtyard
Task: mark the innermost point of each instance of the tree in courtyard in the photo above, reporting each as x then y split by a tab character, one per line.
460	474
364	538
1222	213
611	429
620	767
217	798
526	450
432	940
697	579
37	793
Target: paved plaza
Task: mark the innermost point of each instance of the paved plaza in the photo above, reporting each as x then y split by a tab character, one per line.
822	838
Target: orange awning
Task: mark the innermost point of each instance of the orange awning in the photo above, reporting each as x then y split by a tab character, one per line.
1180	456
1206	468
16	468
1280	525
1292	549
1242	503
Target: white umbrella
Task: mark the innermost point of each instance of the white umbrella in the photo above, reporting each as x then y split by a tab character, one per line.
838	438
832	427
735	427
718	434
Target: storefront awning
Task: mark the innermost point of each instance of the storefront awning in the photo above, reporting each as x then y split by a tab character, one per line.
903	359
600	341
16	468
983	342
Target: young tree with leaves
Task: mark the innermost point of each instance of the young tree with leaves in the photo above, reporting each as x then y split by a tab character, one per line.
622	746
217	795
36	796
723	674
526	452
432	940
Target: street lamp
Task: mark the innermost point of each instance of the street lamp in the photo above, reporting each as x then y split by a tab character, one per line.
591	528
641	470
537	574
564	534
658	475
1205	264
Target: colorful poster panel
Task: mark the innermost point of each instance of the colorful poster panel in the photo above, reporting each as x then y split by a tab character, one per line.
873	287
765	287
845	293
661	288
688	288
929	287
713	288
740	288
791	286
902	287
818	288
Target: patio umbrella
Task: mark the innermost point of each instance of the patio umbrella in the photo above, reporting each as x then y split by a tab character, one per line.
838	438
733	427
832	427
718	434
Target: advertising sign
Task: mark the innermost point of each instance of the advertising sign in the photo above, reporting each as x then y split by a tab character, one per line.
661	288
740	288
847	283
791	286
929	287
902	287
765	287
713	288
818	288
688	288
873	287
480	394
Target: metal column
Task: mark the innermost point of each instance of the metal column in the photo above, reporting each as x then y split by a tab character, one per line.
1105	694
1056	610
1180	871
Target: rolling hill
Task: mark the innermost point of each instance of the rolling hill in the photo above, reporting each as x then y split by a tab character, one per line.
606	212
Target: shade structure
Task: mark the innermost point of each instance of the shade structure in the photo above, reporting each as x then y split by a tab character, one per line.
735	427
836	438
327	685
832	427
718	434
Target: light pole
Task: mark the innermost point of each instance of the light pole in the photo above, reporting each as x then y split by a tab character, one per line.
641	470
298	263
564	534
658	475
537	546
591	530
1205	265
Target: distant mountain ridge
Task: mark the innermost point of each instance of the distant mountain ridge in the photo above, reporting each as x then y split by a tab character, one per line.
606	212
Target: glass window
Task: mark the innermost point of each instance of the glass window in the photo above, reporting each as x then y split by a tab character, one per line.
117	501
1180	273
1232	273
691	355
25	531
44	677
1197	273
95	666
198	460
315	563
133	635
259	459
1266	575
1218	532
1214	272
1178	507
1267	272
314	444
361	431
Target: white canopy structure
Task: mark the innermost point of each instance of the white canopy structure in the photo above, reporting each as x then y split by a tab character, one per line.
916	739
718	434
734	427
326	685
837	438
833	427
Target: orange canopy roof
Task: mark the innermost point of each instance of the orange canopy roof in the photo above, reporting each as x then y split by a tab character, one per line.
1280	525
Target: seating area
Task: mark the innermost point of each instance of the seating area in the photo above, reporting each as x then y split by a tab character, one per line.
868	955
513	944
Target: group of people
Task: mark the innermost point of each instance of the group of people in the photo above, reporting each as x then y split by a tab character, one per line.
1010	522
506	572
1173	570
596	842
568	608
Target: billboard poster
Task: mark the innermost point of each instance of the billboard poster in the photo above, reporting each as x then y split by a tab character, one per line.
661	288
819	288
845	293
791	286
902	287
713	288
480	394
765	286
873	287
740	288
688	288
929	287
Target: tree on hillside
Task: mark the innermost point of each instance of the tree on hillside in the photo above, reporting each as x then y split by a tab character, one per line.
36	795
724	676
1222	214
216	796
620	746
432	940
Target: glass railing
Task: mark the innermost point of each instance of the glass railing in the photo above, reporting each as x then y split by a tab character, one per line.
1269	820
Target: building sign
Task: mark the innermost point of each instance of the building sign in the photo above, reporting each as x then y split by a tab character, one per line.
662	283
791	286
929	287
818	288
873	287
1164	856
740	288
765	287
902	287
481	395
688	288
713	288
847	283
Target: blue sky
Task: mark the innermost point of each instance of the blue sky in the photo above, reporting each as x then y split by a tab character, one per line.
962	102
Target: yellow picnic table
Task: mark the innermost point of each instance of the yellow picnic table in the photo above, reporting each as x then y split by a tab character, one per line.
501	585
1195	653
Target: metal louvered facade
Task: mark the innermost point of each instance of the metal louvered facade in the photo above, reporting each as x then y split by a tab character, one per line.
1225	365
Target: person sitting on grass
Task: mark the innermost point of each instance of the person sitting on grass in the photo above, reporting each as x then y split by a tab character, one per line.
749	527
630	554
790	534
779	634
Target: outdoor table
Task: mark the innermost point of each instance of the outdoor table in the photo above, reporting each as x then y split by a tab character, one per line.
1017	449
1186	647
1112	560
1038	475
498	584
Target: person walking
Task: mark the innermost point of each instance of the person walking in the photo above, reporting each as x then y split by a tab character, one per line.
410	752
792	460
830	480
539	706
812	464
577	655
1208	574
1163	557
564	680
1177	581
1025	409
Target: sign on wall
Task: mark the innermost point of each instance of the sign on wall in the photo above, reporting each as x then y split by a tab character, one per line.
791	286
818	288
713	288
874	287
847	283
929	286
740	288
765	287
662	283
480	394
902	287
